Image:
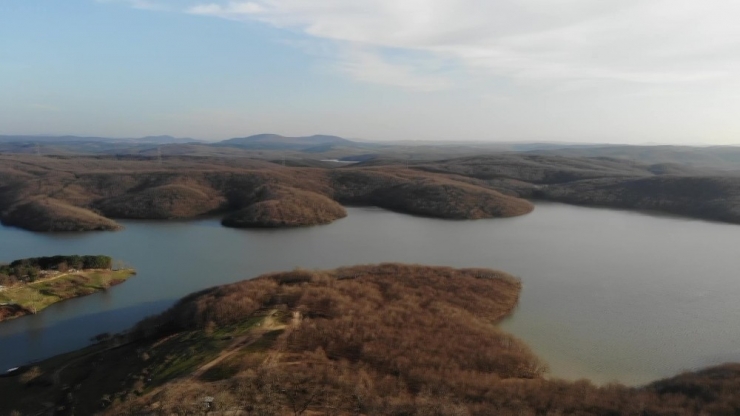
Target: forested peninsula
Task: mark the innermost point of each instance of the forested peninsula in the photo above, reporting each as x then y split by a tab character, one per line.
388	339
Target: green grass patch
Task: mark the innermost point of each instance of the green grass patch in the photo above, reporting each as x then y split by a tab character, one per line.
237	329
283	316
187	351
184	353
132	369
221	371
39	295
265	342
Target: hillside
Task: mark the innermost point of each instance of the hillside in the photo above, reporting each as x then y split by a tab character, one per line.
538	169
389	339
384	329
286	208
83	194
714	198
693	160
605	182
47	214
712	157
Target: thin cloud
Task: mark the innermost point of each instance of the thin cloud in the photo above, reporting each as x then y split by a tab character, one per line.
140	4
231	10
369	66
635	41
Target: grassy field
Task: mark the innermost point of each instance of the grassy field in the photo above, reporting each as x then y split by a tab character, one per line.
38	295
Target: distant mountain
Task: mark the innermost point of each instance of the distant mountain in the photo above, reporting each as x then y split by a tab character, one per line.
276	141
54	139
84	139
166	140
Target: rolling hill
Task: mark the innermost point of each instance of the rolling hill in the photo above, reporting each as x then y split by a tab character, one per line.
38	191
83	193
711	157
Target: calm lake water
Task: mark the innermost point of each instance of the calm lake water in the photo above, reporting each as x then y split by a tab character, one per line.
608	295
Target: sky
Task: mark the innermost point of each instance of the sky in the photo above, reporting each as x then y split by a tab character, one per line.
597	71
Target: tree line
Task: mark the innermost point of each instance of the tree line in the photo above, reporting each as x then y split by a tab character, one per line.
28	270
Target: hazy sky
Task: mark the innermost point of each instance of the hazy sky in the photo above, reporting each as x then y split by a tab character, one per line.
630	71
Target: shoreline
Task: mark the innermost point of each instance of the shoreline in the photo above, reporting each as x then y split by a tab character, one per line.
26	299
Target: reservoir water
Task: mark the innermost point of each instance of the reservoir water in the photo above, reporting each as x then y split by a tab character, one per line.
608	295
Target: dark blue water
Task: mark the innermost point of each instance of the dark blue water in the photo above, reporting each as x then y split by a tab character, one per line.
608	295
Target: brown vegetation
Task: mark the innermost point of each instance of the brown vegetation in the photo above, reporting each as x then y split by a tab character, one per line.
162	202
536	169
389	340
405	340
286	208
71	193
47	214
67	193
12	311
698	158
424	194
605	182
422	180
716	198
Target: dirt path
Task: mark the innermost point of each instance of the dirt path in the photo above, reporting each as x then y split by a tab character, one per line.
65	274
268	324
16	287
49	279
273	356
76	272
